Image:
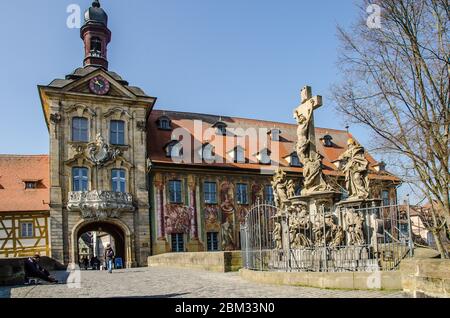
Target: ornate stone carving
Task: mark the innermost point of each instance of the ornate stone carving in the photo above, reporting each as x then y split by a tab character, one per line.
100	204
354	227
334	233
279	186
55	118
100	152
314	179
141	125
356	169
299	226
291	189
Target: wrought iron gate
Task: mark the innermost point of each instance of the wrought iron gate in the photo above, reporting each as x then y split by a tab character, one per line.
363	239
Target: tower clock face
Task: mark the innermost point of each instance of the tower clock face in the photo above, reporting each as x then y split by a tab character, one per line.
99	85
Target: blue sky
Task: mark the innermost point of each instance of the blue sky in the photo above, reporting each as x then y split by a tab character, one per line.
245	58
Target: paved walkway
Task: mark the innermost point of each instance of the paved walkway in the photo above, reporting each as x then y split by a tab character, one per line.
158	282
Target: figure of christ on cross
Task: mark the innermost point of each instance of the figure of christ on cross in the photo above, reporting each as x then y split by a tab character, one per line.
304	114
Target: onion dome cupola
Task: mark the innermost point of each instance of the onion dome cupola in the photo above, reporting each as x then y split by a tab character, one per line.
96	36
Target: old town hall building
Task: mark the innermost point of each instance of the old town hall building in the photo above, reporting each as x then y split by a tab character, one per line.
112	167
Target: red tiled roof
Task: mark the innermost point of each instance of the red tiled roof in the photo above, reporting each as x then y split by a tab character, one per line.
15	170
157	139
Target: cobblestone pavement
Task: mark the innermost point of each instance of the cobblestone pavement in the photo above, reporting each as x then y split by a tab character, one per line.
158	282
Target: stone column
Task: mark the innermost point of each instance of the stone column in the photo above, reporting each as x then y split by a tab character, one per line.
161	245
194	245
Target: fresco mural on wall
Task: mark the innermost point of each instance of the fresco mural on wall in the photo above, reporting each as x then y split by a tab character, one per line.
212	218
178	218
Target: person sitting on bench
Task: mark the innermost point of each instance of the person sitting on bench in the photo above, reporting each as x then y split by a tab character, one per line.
34	270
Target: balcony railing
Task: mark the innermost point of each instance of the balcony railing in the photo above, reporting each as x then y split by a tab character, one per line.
100	204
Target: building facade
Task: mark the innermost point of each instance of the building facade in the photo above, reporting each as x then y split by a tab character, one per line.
24	209
160	181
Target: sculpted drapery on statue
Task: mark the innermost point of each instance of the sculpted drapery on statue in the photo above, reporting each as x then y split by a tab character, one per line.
279	186
356	169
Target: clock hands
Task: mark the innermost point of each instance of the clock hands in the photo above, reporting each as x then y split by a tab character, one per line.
98	83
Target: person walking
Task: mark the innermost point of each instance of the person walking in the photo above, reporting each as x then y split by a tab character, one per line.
109	257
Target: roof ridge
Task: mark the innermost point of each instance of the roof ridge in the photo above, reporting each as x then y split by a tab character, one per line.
244	118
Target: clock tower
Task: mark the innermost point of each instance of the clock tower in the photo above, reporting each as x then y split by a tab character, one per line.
96	36
98	158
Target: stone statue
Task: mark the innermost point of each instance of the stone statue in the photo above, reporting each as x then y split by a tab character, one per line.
298	227
356	171
354	227
318	231
277	236
291	188
314	179
303	120
335	233
279	185
227	235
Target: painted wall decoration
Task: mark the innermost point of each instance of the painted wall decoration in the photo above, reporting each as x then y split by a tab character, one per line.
257	193
242	212
211	214
178	218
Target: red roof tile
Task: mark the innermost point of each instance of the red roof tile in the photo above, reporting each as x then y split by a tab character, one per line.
157	139
15	170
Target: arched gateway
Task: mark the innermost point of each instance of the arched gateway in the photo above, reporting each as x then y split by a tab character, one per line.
114	227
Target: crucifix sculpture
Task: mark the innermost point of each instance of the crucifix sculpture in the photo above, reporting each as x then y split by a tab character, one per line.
306	143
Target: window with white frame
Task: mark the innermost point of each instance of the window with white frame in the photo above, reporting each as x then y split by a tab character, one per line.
118	180
210	192
117	132
242	193
80	129
175	191
80	179
26	229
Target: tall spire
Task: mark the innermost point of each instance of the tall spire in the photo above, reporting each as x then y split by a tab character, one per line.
96	36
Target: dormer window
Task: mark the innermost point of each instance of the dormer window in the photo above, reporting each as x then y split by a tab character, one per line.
29	185
164	123
174	149
238	154
264	156
207	152
381	166
295	160
327	141
221	128
275	134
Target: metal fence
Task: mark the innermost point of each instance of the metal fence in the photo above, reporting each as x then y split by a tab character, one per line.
363	239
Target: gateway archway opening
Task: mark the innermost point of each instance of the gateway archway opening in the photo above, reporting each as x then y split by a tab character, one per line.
92	239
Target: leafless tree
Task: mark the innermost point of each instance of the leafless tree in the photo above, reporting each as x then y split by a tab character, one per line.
396	82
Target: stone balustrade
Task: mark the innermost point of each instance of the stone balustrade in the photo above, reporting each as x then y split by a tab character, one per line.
100	204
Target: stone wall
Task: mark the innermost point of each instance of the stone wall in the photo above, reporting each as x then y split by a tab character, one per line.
12	270
426	277
211	261
338	280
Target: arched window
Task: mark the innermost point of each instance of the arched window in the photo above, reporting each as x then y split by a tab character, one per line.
80	130
118	180
117	132
96	46
80	179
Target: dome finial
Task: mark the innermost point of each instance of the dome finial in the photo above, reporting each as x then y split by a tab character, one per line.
96	4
